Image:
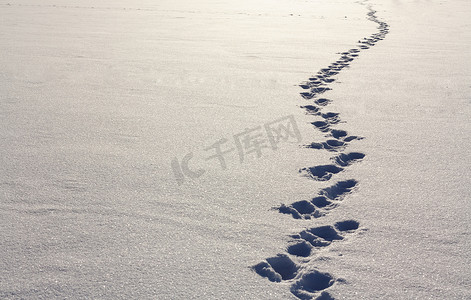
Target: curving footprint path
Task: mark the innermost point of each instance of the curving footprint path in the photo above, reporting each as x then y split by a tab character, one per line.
294	266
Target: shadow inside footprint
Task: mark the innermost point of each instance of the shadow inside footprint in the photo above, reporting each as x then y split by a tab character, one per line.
303	207
300	249
311	109
300	210
321	125
314	240
320	201
312	282
329	145
326	79
351	138
327	232
334	143
289	210
284	266
331	117
347	225
320	90
339	189
344	160
322	101
265	270
323	172
338	134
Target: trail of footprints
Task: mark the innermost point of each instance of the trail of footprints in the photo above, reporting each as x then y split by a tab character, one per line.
289	267
327	199
293	267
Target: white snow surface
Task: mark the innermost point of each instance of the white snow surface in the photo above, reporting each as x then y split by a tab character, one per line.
98	97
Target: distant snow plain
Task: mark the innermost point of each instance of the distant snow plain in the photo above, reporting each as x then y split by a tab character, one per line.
102	102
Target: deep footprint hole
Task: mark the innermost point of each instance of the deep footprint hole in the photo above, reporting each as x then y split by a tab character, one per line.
300	249
347	225
320	201
316	146
284	266
322	101
339	189
303	207
328	233
344	160
263	269
324	173
315	281
335	143
338	133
